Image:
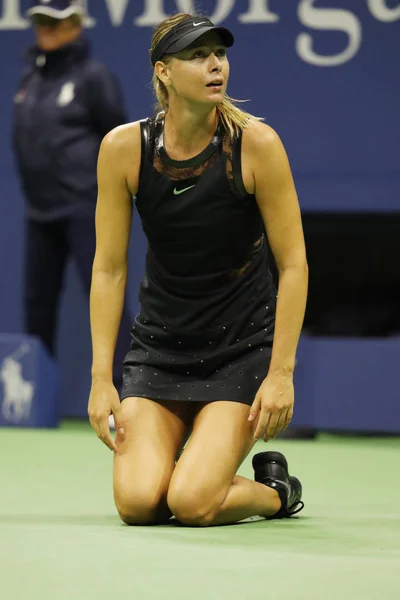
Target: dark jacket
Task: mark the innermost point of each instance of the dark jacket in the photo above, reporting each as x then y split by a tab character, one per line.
66	103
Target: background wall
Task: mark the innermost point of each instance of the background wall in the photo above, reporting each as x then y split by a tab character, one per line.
323	73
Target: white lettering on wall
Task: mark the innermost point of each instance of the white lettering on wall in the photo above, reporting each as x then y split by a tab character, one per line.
258	13
154	13
381	12
117	10
309	14
89	21
11	17
222	10
328	19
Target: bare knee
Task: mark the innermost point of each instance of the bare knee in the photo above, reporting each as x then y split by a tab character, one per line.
191	506
136	505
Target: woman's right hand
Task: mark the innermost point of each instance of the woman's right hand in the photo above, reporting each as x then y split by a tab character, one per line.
104	401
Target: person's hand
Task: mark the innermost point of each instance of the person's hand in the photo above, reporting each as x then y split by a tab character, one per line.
103	402
273	405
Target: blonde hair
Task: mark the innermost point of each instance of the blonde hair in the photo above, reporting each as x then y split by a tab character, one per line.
233	118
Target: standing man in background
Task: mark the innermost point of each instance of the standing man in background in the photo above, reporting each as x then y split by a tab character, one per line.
65	104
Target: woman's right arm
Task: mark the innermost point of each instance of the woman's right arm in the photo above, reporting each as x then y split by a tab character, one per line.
117	173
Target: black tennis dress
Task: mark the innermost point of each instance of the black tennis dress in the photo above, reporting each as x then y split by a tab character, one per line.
207	299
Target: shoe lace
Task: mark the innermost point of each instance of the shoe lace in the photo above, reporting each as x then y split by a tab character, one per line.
296	508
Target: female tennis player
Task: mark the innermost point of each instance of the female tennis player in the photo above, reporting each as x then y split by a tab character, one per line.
213	347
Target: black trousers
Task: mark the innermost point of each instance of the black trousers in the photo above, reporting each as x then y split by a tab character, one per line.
48	247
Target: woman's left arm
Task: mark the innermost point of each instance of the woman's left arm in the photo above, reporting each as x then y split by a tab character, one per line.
277	200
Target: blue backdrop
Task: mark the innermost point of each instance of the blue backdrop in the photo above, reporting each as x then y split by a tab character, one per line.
323	73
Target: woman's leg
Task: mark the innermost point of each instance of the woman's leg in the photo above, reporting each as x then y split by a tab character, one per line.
154	434
204	489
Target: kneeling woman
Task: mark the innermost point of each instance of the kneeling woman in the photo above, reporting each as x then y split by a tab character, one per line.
213	350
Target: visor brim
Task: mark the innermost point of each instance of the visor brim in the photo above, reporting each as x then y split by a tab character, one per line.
53	13
189	38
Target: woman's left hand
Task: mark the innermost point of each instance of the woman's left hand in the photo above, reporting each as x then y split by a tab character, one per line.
273	405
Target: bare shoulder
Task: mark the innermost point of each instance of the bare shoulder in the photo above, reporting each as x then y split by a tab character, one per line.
260	138
120	151
263	155
122	138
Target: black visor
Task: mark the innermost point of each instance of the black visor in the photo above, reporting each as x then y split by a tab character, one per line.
187	32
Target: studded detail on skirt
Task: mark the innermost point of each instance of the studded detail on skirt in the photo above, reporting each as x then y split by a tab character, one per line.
228	362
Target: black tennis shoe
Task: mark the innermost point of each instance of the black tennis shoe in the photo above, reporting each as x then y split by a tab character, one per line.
271	469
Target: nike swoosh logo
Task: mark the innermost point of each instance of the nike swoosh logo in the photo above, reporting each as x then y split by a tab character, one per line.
197	24
177	192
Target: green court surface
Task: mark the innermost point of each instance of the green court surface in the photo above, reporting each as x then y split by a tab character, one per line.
61	539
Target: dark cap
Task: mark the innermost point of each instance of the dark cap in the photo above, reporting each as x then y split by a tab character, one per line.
57	9
187	32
